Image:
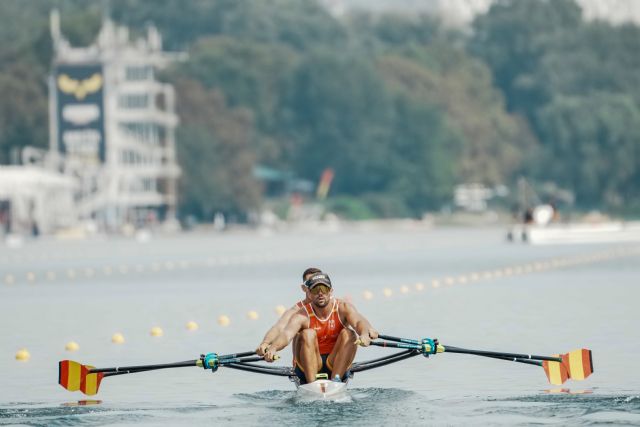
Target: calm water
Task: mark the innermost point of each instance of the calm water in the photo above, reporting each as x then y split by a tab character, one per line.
490	295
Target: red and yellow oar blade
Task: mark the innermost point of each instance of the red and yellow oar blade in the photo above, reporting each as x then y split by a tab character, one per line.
90	382
579	363
557	372
70	374
75	376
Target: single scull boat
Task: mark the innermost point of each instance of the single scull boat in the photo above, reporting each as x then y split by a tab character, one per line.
576	365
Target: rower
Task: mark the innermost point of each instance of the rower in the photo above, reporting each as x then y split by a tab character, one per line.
327	329
279	326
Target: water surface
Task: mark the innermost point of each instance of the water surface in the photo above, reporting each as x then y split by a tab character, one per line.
490	295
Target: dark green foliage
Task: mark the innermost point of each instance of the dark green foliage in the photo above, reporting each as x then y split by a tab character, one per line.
395	105
578	85
213	151
594	147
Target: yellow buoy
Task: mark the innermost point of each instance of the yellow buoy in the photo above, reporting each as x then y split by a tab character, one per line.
252	315
224	320
72	346
367	295
404	289
280	310
156	331
387	292
192	326
23	355
117	338
419	286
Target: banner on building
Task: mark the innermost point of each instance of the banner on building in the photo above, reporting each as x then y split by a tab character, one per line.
80	112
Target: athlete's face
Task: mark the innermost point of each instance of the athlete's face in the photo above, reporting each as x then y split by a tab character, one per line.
321	299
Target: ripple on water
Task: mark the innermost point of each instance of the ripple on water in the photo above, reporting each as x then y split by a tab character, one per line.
582	408
72	414
366	406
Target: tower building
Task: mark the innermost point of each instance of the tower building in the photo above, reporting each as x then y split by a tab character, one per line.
113	126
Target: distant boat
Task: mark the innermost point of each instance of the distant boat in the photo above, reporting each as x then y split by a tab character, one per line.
576	233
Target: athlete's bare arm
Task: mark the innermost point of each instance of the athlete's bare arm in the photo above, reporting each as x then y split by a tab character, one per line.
359	323
297	322
275	330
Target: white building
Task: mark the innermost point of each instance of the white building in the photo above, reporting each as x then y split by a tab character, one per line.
113	126
34	200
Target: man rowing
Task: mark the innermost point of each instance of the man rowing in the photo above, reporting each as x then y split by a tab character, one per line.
279	326
326	329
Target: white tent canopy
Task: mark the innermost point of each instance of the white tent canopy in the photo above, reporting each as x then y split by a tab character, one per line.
37	197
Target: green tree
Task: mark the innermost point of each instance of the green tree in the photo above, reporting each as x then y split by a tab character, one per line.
491	142
512	38
288	22
592	146
251	75
339	114
214	153
23	110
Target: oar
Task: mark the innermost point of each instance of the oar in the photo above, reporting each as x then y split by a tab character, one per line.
577	364
75	376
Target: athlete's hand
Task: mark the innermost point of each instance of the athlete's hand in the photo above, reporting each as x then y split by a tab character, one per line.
262	348
363	340
373	334
270	355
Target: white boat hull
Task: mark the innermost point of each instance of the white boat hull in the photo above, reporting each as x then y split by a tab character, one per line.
612	232
323	390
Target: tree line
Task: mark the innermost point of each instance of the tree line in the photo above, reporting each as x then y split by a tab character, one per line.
399	107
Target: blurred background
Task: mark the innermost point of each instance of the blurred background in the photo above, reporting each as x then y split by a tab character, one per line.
124	115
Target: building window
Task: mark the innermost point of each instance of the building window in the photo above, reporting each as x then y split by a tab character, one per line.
138	73
132	101
144	132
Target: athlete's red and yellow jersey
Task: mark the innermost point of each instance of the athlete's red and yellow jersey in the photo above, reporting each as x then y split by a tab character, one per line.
327	329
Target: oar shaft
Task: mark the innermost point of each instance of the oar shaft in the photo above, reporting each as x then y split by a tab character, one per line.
359	365
397	339
240	359
121	372
370	365
110	372
515	359
145	367
396	345
235	355
284	372
451	349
